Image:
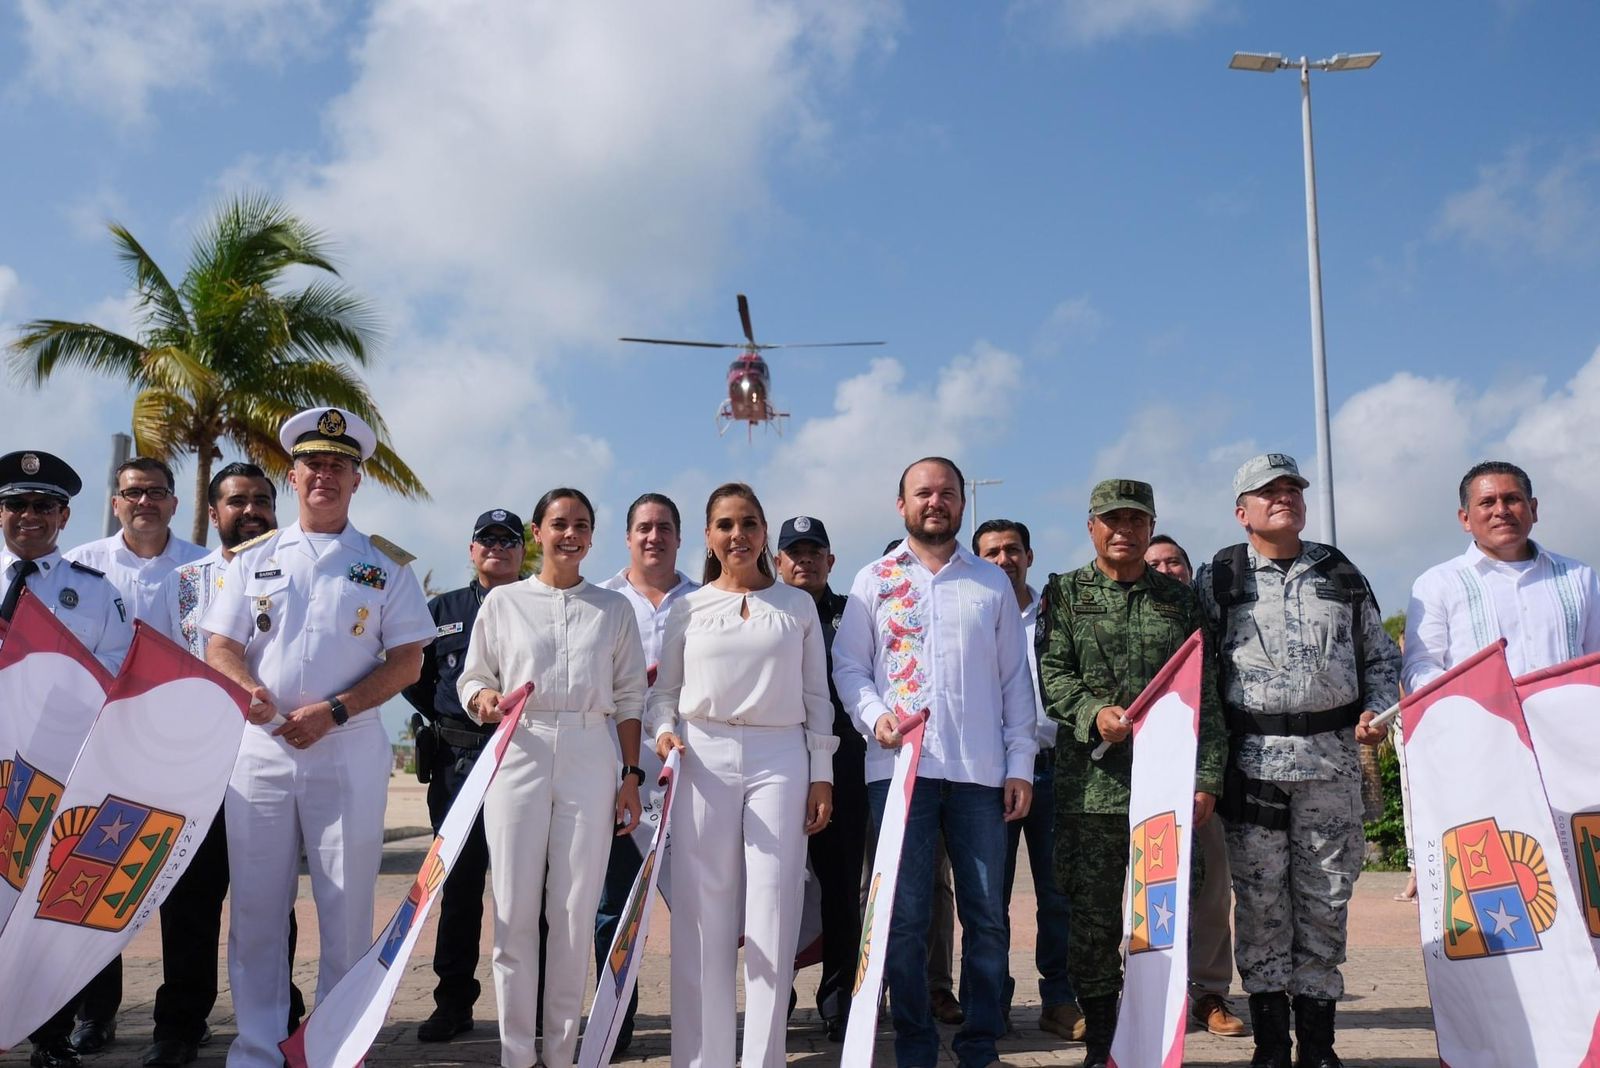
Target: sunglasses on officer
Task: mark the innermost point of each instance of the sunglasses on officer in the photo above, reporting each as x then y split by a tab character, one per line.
498	541
36	505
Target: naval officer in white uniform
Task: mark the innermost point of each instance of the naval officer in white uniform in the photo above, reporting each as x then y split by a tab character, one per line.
322	624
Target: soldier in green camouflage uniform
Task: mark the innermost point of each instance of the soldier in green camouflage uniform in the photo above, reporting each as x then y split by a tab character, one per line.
1103	633
1303	664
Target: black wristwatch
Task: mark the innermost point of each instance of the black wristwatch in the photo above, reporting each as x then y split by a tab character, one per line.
341	714
633	769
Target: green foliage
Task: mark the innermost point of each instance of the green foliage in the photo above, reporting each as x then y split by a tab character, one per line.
1388	833
1395	627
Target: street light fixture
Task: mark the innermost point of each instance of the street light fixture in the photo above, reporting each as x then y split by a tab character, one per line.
1266	63
972	502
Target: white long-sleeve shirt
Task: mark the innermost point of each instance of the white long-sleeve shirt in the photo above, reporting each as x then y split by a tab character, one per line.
579	646
1045	728
1547	609
770	670
652	618
139	579
952	642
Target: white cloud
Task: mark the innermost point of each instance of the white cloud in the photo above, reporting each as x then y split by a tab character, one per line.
10	285
1087	22
111	56
1069	320
1528	207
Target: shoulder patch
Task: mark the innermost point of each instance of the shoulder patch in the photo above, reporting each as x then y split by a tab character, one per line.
86	569
390	549
257	540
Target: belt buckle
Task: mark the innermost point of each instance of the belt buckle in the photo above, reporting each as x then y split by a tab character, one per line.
1299	724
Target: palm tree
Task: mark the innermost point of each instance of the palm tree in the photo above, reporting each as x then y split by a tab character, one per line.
227	355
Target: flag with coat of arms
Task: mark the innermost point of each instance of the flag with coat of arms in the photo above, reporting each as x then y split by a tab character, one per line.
1165	720
1510	971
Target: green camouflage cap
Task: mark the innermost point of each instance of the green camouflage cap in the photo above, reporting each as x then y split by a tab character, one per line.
1260	470
1116	493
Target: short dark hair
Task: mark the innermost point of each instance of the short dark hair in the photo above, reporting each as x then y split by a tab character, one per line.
656	498
237	470
1168	539
1002	526
150	466
558	494
961	481
1494	467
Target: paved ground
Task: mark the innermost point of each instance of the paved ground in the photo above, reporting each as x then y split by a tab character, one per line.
1385	1021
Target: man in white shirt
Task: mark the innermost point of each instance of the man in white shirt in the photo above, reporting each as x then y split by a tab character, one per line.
137	559
929	625
653	584
1505	585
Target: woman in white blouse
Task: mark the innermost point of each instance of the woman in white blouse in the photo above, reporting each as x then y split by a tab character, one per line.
742	689
554	805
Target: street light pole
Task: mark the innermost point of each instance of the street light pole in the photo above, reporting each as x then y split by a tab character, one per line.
1266	64
972	504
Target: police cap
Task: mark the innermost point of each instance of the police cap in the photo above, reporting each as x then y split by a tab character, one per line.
498	517
802	528
32	471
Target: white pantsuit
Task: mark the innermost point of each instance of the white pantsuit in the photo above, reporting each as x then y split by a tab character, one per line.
550	812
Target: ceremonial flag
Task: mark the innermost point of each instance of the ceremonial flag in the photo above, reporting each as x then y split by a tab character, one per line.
621	970
1510	972
861	1030
341	1028
51	689
1562	706
1155	917
141	797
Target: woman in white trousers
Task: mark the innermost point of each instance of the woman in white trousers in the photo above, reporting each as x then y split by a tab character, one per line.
742	690
553	807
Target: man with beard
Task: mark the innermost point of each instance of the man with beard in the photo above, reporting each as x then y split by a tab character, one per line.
241	502
137	559
931	626
448	744
836	851
1105	630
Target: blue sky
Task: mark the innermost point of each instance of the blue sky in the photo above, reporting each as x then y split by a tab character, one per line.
1081	235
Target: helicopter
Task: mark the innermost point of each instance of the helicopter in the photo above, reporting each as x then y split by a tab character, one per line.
749	378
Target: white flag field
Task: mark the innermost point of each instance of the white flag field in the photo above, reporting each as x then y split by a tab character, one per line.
861	1030
1155	920
1562	706
1507	954
621	971
140	796
340	1030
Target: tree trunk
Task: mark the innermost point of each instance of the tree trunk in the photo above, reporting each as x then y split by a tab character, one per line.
202	488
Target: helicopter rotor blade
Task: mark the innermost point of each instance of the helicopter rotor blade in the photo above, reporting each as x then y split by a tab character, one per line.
744	318
823	345
692	344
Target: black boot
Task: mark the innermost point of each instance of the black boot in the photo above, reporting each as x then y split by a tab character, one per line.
1269	1018
1099	1027
1313	1032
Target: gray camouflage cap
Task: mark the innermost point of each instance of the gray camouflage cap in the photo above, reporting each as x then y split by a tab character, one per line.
1260	470
1116	493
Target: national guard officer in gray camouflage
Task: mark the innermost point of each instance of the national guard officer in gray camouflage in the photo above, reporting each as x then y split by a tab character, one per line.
1303	666
1104	631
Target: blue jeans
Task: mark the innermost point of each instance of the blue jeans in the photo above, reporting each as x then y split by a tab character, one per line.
1054	913
973	820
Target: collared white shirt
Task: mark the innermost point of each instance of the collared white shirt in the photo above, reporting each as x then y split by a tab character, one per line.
139	579
952	642
185	596
313	625
1046	727
1547	609
85	601
652	619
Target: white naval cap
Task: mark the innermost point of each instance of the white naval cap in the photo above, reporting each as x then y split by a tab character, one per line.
328	430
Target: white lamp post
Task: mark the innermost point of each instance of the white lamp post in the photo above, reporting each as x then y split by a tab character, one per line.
1266	63
972	502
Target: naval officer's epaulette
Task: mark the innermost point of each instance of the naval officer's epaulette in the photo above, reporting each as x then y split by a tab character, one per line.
390	549
257	540
86	569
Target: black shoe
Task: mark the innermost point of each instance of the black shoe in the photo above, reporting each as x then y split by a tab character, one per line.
1269	1020
205	1036
1313	1032
170	1053
56	1053
1100	1027
835	1026
444	1025
92	1036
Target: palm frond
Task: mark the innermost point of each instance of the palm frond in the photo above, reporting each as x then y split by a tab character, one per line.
163	422
158	299
47	344
389	471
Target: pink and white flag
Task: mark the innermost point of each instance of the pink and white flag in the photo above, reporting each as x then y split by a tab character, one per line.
1510	971
621	973
861	1030
51	690
1155	916
1562	706
341	1028
143	792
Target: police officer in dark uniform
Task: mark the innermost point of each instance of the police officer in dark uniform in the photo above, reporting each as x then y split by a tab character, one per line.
448	743
836	850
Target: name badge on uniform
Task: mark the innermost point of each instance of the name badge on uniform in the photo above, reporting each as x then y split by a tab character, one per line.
369	575
69	598
450	628
274	573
